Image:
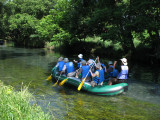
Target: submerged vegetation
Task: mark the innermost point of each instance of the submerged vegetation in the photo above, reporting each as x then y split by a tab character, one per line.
113	109
17	105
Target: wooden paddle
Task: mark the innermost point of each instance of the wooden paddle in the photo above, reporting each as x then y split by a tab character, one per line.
81	84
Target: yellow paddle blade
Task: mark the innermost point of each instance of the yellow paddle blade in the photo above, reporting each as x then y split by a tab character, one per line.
80	86
55	83
62	82
49	78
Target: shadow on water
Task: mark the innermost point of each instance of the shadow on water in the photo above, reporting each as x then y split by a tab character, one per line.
144	83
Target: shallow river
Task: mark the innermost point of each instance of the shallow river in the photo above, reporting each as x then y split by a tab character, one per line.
30	67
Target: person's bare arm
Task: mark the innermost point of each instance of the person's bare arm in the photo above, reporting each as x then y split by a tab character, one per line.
78	72
75	61
93	74
98	59
63	70
105	69
114	65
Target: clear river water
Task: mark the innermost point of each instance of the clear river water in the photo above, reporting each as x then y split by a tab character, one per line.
30	67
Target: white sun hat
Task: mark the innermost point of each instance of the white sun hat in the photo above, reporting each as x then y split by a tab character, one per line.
80	56
124	61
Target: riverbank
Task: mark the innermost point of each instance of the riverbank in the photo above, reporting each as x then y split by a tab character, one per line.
17	105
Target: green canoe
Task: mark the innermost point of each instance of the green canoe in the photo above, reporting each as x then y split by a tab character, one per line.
98	90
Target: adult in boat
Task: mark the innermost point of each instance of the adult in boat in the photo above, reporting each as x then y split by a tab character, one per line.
60	64
68	68
91	63
79	62
110	68
84	71
102	65
122	76
98	76
111	71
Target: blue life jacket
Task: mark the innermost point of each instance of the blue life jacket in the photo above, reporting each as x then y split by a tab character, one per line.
60	65
103	67
85	71
113	73
124	72
69	67
100	78
80	63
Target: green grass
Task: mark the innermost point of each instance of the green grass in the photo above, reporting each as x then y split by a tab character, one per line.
16	105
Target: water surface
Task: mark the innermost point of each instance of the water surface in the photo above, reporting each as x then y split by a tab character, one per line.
30	67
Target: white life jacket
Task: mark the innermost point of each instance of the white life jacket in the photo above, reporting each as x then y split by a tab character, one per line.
124	72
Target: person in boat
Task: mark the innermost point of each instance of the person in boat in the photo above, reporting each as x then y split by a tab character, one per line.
102	65
79	62
111	72
60	64
68	68
84	71
91	63
98	76
122	76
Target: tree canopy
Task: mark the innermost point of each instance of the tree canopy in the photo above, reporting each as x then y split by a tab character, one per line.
31	23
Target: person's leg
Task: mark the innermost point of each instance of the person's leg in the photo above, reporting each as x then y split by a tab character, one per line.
112	80
93	83
72	74
78	72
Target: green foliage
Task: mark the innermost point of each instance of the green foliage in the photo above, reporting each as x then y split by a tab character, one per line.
16	105
21	27
36	8
50	31
63	21
2	30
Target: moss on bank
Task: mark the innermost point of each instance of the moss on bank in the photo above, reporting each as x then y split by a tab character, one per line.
16	105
